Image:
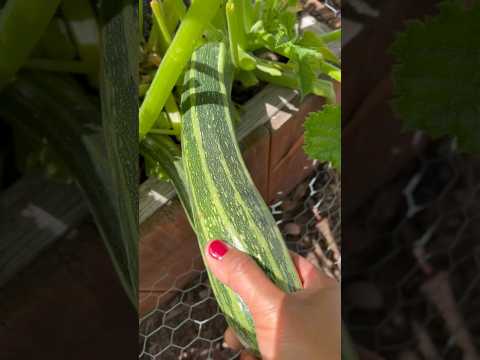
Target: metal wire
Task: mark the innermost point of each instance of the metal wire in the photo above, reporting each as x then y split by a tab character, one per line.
189	325
413	290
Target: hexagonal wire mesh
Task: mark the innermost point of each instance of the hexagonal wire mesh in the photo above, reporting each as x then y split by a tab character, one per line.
412	284
187	323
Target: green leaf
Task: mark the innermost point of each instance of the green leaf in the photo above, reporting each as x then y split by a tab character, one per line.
22	24
306	75
314	41
437	76
323	135
57	108
119	87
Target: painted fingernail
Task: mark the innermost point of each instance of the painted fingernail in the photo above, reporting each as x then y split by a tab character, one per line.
217	249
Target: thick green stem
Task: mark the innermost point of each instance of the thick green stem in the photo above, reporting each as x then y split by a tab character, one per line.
165	37
235	9
200	13
174	114
22	24
237	36
248	14
176	11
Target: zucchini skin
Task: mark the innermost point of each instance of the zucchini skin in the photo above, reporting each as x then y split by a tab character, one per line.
225	203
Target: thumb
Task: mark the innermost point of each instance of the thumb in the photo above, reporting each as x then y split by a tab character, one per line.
241	273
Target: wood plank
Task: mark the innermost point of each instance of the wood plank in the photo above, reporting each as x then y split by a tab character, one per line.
288	163
153	194
256	154
34	213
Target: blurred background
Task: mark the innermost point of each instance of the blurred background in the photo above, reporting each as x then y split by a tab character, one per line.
411	253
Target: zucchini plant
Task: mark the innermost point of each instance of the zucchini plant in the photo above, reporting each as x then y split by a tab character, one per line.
187	118
50	72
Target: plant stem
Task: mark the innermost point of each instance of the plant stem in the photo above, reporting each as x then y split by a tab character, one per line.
22	24
233	33
176	58
237	36
159	15
248	14
176	11
289	80
237	10
174	115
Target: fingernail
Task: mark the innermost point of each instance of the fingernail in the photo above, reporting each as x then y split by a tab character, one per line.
217	249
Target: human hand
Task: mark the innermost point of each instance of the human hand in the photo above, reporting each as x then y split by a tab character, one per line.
305	325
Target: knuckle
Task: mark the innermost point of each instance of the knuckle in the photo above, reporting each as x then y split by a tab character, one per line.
242	265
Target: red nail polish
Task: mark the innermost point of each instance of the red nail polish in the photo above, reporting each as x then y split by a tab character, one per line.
217	249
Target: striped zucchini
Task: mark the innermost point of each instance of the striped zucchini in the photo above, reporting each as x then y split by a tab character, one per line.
225	203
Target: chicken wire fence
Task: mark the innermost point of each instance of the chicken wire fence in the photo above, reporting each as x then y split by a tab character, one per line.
189	324
412	283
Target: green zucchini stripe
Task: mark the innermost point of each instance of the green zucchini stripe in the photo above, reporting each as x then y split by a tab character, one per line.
225	203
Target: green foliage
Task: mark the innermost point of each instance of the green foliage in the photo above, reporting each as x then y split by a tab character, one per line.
119	89
54	107
308	54
57	126
323	135
437	78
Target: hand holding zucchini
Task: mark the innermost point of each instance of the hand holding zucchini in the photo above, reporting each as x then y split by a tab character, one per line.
225	203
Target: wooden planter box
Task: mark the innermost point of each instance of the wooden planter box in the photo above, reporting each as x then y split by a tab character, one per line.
271	136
